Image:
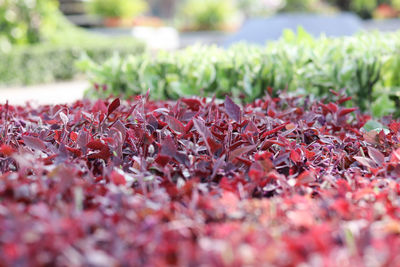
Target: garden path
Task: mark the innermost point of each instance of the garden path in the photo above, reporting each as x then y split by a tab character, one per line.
56	93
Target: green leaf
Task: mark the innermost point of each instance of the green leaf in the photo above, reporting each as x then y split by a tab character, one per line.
373	125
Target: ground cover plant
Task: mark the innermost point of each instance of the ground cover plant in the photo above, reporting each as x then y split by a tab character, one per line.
198	182
366	65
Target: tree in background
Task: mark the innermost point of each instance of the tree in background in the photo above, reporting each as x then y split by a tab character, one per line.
26	22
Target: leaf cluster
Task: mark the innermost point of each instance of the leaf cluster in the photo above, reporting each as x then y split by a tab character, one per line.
280	181
366	66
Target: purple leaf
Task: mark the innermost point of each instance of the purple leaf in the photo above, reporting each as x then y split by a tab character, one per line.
174	124
232	109
113	106
213	145
205	133
34	143
64	118
376	156
82	140
201	128
366	162
168	147
240	151
120	127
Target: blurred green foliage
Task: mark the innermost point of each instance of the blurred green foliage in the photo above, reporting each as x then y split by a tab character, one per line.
365	8
117	8
299	5
206	14
27	22
256	8
367	66
47	62
38	44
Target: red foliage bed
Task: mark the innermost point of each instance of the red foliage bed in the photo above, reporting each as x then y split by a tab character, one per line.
278	182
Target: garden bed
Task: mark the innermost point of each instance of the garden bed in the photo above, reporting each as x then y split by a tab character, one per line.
281	181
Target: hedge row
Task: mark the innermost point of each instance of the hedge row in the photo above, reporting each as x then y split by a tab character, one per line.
48	62
366	65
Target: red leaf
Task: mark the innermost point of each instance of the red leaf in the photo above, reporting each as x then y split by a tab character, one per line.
394	126
130	111
95	144
306	177
346	111
34	143
214	145
263	155
256	172
245	161
73	136
6	150
251	127
232	109
113	106
333	107
75	151
227	185
99	106
275	130
295	156
121	128
366	162
189	126
334	92
168	147
194	104
201	128
117	178
104	153
162	159
174	124
395	156
371	137
240	151
376	155
64	118
344	99
309	154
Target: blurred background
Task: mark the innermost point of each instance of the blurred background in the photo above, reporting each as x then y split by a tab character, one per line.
211	22
41	40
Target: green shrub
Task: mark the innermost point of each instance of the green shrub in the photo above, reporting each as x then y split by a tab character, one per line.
207	14
367	66
365	8
117	8
27	22
299	6
38	44
47	62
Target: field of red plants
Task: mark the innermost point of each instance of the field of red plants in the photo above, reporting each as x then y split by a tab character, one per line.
198	182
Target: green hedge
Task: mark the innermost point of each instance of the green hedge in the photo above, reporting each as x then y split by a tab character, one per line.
366	65
48	62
